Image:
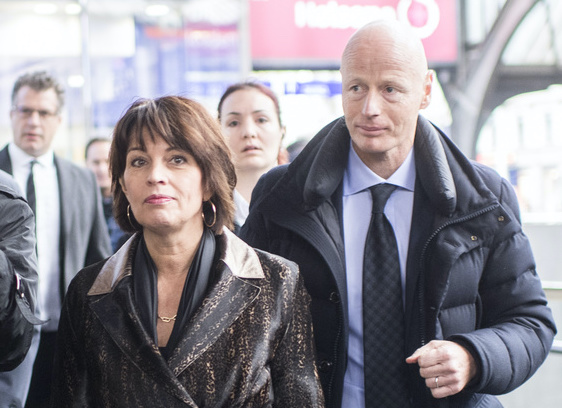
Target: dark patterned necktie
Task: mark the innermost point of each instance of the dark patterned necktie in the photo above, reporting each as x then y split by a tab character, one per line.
383	315
31	188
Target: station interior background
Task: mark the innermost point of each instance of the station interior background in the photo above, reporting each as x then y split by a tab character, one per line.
110	52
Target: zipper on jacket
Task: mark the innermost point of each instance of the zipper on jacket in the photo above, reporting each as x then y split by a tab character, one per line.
422	260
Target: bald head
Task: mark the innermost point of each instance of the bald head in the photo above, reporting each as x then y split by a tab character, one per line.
386	36
385	82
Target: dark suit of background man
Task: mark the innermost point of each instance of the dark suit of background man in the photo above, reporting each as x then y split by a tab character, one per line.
18	274
70	226
472	313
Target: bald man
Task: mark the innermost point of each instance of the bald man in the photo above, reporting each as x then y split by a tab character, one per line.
471	318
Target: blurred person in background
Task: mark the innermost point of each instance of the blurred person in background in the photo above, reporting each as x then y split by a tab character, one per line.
70	227
250	117
97	160
424	287
18	274
185	313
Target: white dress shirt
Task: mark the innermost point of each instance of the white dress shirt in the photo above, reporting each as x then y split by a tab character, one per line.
242	208
48	223
357	204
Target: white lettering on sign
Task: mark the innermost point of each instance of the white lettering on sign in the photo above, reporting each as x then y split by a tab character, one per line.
334	15
342	16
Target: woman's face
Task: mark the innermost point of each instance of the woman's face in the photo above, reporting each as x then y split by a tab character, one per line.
250	123
164	187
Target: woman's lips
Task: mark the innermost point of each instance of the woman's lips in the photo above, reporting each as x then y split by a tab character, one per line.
250	148
158	199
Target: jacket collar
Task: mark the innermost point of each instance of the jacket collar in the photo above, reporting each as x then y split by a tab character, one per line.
432	167
320	169
321	166
327	166
451	181
116	268
240	258
242	261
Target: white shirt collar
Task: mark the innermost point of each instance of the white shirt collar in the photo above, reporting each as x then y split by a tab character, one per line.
21	158
359	177
242	208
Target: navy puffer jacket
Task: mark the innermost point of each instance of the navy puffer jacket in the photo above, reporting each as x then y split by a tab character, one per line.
470	273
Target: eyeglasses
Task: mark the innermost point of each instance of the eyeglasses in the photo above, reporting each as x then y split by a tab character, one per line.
26	113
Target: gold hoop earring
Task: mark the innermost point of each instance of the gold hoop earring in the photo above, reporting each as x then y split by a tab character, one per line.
129	216
214	215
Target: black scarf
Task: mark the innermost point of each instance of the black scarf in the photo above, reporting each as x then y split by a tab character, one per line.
194	289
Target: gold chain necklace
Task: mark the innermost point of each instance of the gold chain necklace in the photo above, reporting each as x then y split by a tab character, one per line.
168	319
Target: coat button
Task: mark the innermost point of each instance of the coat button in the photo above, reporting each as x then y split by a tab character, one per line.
334	297
325	366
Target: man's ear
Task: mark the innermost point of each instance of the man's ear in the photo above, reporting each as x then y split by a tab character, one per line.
427	86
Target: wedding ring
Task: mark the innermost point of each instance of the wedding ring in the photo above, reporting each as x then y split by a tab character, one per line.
436	382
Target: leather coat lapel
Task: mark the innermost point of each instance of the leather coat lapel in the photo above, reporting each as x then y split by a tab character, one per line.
227	300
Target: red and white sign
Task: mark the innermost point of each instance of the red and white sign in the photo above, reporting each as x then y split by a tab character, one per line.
301	32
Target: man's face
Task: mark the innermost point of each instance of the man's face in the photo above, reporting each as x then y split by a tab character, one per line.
97	160
35	120
382	92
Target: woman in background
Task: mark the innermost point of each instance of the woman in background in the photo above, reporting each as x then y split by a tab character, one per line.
251	121
185	314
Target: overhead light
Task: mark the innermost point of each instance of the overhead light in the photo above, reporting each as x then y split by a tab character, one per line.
45	8
72	9
157	10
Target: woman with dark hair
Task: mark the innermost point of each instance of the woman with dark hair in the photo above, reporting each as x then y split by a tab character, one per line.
184	314
250	117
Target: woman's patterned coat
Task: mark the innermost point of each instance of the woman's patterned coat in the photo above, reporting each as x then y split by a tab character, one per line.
249	345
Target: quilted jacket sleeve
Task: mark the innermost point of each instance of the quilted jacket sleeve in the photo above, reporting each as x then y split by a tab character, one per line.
517	327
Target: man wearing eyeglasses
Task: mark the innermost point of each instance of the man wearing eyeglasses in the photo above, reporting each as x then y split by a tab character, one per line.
70	226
